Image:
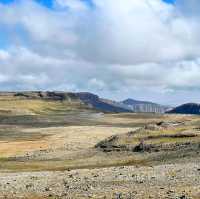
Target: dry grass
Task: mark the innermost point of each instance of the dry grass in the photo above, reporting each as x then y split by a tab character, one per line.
12	149
86	162
32	107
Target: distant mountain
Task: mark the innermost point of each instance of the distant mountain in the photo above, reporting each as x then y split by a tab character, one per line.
190	108
101	104
144	106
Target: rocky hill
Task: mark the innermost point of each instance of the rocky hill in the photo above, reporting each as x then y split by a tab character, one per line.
190	108
163	136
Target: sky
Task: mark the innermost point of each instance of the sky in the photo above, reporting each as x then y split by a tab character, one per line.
141	49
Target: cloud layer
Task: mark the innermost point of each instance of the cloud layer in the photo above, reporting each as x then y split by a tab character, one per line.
141	48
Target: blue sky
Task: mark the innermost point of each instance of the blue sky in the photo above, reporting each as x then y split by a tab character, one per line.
49	3
147	50
170	1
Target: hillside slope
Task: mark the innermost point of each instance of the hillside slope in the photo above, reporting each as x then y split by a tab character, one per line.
31	103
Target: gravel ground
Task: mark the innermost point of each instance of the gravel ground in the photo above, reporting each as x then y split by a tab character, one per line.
172	181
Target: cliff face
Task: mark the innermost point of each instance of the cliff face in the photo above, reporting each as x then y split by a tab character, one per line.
143	106
46	95
190	108
147	108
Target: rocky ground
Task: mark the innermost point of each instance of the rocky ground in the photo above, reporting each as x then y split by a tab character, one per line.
172	181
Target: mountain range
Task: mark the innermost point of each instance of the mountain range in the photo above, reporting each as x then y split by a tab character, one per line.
128	105
91	101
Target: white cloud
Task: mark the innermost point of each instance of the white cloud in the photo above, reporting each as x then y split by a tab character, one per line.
4	55
140	46
96	84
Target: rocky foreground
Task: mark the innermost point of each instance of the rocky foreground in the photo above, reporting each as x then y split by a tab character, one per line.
172	181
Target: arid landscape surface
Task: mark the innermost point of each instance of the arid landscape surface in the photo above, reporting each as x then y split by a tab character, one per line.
52	148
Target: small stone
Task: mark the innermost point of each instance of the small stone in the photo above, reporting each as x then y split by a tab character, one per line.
119	196
28	186
47	189
70	176
183	197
